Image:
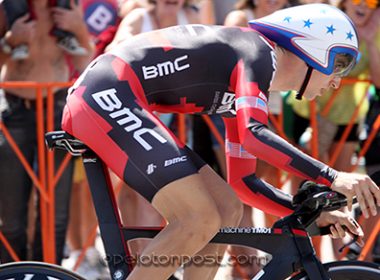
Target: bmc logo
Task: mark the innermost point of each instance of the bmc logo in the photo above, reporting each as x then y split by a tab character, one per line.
150	169
172	161
165	68
108	101
227	103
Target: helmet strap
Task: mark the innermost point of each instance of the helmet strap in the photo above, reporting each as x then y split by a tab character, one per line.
305	83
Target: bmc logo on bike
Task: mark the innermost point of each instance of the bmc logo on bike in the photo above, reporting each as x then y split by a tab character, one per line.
245	230
108	101
165	68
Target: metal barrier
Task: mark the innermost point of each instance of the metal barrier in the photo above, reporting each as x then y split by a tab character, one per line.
46	179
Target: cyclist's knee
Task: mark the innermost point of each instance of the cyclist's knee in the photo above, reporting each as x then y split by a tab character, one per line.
194	231
201	224
211	219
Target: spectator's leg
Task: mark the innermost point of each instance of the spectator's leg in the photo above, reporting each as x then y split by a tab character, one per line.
15	184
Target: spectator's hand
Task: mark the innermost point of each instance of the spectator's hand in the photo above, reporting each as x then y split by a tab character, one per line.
22	31
368	31
361	186
336	220
68	19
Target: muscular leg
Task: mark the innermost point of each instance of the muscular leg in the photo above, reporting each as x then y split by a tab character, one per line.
193	219
136	210
230	209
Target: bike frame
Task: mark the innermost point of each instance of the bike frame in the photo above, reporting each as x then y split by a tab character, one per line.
291	248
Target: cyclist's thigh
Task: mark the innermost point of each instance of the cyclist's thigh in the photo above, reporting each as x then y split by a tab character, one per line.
222	192
109	113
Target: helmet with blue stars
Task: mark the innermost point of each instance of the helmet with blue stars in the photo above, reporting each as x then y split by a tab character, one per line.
320	34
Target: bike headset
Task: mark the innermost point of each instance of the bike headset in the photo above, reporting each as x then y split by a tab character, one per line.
321	35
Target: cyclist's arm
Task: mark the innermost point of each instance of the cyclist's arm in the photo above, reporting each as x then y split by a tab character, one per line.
241	167
257	139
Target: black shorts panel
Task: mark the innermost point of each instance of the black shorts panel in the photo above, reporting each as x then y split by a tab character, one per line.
151	155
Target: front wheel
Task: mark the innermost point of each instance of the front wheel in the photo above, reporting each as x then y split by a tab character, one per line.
348	270
35	271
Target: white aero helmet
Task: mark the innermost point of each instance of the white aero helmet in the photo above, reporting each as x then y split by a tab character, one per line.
320	34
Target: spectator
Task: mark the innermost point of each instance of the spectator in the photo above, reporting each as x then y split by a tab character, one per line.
65	39
247	10
206	11
215	11
158	14
46	62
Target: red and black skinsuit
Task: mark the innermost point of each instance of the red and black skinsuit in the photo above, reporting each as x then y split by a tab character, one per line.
192	69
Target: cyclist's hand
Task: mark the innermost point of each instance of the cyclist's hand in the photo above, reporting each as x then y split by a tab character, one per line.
340	223
361	186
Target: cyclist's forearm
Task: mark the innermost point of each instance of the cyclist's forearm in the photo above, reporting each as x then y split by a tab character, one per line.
259	194
268	146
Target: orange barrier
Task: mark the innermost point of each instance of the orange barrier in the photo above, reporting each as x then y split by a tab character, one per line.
370	241
46	179
8	247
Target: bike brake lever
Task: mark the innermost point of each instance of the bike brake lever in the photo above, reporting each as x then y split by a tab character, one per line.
326	230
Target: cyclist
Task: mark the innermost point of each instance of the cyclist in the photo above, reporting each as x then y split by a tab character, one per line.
214	70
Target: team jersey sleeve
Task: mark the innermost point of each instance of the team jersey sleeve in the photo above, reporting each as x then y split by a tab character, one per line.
252	118
241	167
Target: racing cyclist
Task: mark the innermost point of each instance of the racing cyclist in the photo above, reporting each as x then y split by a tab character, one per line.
214	70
